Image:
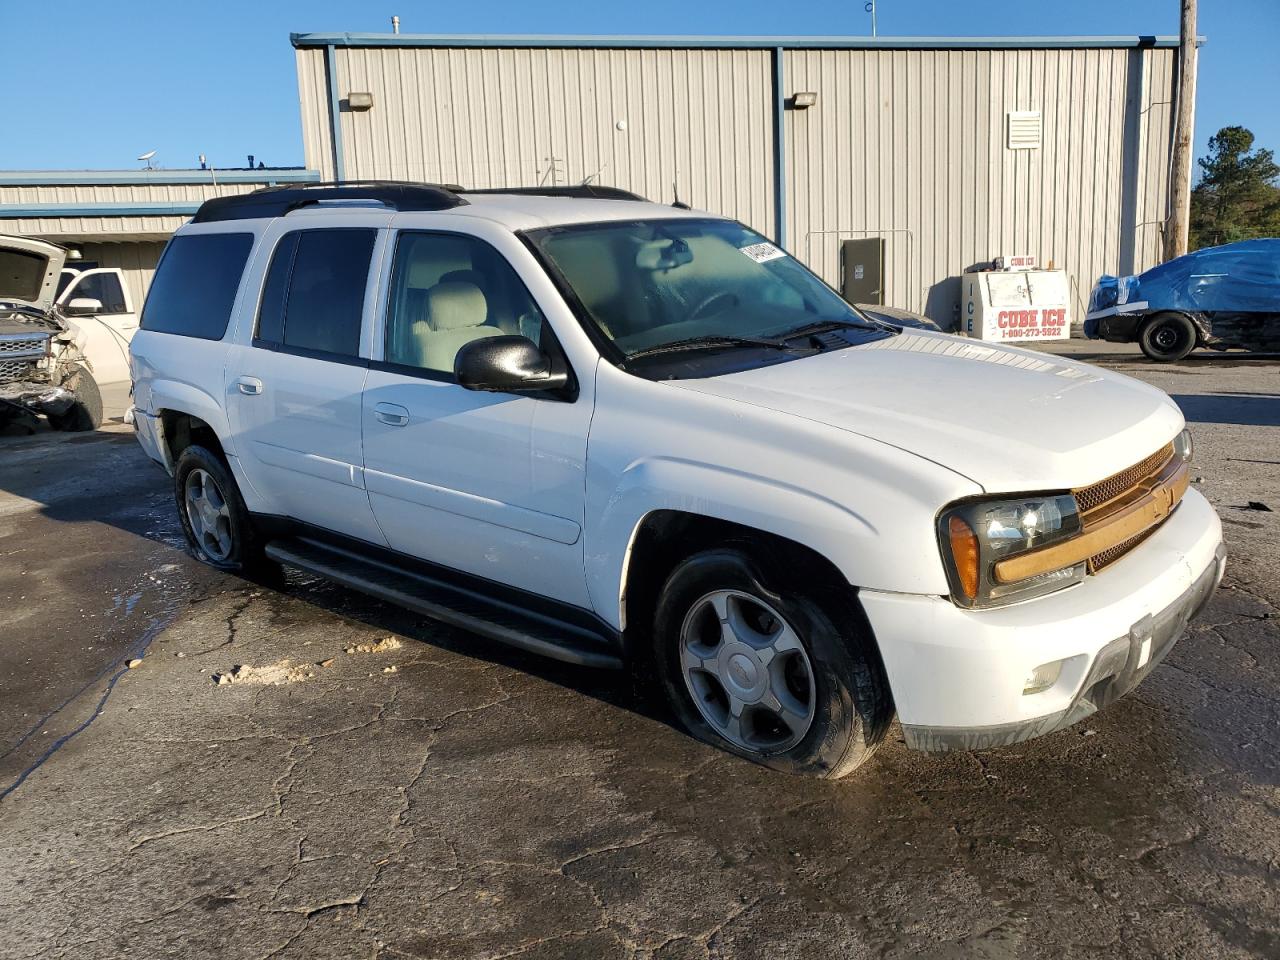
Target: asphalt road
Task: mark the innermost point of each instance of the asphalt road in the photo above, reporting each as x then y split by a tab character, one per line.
435	795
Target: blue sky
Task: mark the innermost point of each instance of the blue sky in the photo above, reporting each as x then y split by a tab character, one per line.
105	82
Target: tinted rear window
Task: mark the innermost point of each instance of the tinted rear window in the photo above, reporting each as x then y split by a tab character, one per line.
195	285
325	302
276	291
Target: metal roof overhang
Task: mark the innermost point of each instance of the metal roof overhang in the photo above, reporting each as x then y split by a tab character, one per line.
15	211
734	43
266	176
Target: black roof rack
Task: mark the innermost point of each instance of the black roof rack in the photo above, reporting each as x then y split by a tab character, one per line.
277	201
585	191
396	194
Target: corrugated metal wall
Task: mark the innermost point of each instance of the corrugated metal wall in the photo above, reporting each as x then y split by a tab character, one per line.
119	227
699	121
904	144
911	145
137	260
313	101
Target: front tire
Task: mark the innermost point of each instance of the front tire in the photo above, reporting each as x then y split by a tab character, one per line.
783	674
214	518
85	412
1168	337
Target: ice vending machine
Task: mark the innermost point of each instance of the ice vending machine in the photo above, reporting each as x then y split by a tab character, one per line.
1015	302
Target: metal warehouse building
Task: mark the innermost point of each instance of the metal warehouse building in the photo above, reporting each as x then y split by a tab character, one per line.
120	218
948	151
951	150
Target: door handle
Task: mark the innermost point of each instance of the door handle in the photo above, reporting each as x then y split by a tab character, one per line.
249	386
391	413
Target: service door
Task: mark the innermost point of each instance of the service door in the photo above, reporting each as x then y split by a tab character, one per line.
490	484
294	391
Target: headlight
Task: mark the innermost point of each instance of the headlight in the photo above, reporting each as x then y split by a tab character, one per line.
1183	446
975	534
1129	290
1104	294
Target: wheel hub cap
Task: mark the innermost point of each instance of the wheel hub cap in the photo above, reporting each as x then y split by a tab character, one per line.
747	671
209	515
742	674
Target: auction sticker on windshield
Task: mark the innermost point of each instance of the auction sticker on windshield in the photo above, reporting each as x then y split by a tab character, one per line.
760	252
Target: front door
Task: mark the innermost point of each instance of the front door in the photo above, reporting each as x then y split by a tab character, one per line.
294	392
107	327
491	484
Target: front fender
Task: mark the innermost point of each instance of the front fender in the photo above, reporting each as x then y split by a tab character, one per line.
863	551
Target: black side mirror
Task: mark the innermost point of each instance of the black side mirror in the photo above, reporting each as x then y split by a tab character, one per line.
508	364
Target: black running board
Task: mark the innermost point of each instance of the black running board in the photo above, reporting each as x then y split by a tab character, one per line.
457	606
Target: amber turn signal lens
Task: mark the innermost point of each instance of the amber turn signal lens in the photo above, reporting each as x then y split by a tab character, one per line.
964	552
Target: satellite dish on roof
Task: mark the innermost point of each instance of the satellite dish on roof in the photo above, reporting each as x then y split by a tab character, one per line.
146	157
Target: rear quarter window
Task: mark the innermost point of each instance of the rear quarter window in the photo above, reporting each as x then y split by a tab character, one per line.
195	285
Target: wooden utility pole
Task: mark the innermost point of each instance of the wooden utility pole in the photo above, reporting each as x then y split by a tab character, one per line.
1179	223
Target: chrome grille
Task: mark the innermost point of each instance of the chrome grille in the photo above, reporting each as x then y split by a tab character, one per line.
1104	491
23	346
11	370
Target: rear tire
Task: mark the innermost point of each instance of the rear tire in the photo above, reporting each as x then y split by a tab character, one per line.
85	412
785	674
1168	337
215	520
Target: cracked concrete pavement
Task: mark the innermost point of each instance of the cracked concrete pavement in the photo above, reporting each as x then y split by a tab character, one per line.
480	803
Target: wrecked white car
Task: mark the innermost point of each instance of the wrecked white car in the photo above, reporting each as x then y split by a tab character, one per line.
58	346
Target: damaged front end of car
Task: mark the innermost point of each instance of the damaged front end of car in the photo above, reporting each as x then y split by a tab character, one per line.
38	356
43	370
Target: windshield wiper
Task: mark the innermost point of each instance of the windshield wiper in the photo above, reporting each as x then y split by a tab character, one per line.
821	326
710	342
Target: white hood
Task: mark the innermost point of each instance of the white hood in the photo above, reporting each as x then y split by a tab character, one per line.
29	270
1010	420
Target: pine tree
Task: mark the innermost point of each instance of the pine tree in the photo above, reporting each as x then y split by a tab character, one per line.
1238	197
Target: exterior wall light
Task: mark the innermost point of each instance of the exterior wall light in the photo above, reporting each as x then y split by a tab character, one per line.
803	101
359	101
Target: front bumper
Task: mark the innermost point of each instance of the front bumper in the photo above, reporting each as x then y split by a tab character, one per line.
957	676
38	397
1116	324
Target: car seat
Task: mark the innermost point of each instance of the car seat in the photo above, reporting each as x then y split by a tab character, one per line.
455	315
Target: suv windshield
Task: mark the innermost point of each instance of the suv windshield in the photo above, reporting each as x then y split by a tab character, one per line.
681	282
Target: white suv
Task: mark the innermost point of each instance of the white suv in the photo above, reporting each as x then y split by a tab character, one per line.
616	432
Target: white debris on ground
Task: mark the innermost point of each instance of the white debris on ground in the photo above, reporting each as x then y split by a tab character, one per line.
273	675
382	646
390	669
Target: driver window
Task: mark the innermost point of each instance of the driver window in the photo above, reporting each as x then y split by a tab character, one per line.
448	290
103	287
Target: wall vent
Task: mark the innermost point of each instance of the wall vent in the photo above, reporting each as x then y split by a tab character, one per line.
1024	130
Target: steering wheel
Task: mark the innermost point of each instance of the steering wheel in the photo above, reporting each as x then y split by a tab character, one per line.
724	298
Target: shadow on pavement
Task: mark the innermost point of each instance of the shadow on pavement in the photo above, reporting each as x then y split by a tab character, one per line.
1246	409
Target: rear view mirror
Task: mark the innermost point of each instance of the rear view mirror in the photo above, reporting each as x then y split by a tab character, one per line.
84	306
663	255
508	364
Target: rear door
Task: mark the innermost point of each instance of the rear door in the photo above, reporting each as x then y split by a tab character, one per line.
294	384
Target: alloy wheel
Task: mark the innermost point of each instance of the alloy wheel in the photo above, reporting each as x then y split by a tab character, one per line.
747	671
209	516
